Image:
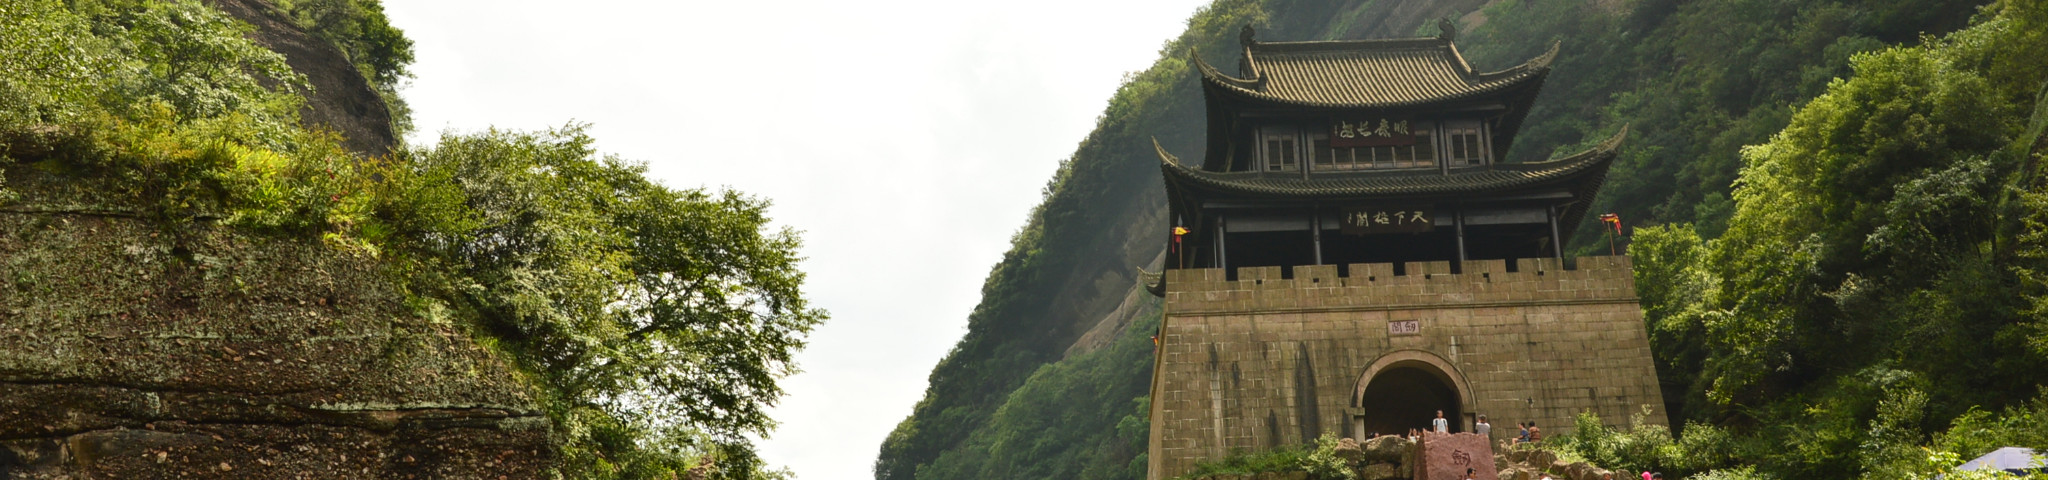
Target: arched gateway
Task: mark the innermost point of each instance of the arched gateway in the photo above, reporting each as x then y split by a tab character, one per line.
1403	390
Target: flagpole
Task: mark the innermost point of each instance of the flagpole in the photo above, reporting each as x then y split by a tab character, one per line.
1614	221
1182	253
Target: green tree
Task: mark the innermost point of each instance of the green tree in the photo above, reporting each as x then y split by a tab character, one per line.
669	314
1863	294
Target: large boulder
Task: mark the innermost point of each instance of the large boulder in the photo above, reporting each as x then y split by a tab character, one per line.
1577	470
1380	471
1348	450
1385	449
1411	459
1540	459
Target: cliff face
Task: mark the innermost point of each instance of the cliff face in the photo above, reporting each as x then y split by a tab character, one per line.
341	100
135	347
131	351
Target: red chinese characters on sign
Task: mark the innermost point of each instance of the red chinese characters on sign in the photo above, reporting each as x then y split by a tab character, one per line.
1366	221
1404	327
1381	132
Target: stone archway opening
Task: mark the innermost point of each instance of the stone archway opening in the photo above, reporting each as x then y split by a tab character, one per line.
1406	396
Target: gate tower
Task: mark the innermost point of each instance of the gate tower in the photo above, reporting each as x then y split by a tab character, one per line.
1351	255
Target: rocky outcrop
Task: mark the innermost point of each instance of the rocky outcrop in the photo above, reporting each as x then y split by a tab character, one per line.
1523	462
341	100
133	348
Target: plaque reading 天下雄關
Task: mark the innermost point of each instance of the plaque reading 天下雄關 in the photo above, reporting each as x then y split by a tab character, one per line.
1367	221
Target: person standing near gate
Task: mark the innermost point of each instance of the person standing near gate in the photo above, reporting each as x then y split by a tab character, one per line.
1483	428
1440	425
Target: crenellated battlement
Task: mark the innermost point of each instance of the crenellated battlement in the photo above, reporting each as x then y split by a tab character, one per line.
1421	284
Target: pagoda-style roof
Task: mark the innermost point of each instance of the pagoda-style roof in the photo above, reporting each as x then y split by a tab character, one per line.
1369	73
1577	170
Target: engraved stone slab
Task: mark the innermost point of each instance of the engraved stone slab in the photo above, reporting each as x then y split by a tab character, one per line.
1447	456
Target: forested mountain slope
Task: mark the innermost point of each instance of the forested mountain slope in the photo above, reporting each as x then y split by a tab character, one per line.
1696	81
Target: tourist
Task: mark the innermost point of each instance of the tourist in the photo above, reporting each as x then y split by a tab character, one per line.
1524	436
1468	475
1440	425
1535	434
1647	475
1482	427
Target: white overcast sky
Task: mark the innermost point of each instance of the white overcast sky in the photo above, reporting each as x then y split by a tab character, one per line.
906	139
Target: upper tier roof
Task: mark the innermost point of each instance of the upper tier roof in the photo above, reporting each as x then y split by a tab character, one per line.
1368	73
1584	170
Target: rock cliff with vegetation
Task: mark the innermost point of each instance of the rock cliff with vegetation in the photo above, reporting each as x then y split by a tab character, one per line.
1834	214
218	261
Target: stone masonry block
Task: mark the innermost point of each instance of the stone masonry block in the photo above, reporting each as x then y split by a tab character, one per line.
1364	273
1248	274
1495	267
1426	269
1319	273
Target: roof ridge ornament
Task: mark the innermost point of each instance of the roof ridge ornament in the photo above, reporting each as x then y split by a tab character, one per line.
1446	29
1548	56
1246	66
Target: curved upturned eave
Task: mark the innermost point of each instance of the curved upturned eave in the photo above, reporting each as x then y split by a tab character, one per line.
1591	164
1211	75
1527	73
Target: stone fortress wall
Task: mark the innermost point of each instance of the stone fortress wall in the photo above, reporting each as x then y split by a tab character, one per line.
1264	361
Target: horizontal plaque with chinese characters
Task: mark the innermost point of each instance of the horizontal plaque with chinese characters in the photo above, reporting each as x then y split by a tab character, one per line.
1371	132
1367	221
1404	327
